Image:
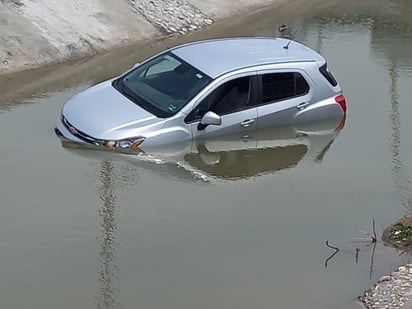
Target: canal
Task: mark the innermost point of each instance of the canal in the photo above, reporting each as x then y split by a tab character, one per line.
219	226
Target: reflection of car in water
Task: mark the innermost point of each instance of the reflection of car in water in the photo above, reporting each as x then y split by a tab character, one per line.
246	163
266	152
237	156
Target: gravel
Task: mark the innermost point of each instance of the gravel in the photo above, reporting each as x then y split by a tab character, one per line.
172	16
392	292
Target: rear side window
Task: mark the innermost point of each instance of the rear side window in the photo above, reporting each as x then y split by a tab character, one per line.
280	86
328	75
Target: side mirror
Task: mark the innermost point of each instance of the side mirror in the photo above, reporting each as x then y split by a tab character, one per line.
210	118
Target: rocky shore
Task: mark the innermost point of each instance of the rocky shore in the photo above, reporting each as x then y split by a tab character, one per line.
391	292
172	16
394	291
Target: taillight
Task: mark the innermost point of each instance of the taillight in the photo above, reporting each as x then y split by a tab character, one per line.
340	99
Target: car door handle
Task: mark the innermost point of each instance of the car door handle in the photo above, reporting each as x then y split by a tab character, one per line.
302	105
247	123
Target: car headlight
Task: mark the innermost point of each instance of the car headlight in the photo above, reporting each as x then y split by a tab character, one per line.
128	143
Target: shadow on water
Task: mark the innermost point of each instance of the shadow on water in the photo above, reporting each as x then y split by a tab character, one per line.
392	40
233	157
403	182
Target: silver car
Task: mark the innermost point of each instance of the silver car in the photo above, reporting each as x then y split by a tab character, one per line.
205	89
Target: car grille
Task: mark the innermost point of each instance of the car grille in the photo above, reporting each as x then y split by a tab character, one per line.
79	134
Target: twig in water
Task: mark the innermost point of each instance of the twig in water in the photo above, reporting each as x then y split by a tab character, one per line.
372	259
332	247
374	238
333	254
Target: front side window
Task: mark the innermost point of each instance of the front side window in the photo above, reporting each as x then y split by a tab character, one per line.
281	86
228	98
162	85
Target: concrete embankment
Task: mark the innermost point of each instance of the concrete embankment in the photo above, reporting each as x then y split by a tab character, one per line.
36	33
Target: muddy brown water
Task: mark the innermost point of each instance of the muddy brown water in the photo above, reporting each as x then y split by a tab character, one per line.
217	225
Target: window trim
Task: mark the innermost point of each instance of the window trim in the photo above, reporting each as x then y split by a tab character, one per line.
327	74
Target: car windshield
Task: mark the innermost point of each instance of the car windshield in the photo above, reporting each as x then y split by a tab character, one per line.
162	85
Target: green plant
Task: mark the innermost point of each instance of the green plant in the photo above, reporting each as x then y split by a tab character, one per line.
401	232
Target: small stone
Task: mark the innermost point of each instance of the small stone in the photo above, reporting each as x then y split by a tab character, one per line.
384	278
397	282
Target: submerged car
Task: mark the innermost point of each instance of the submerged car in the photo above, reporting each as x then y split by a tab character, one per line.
229	157
205	89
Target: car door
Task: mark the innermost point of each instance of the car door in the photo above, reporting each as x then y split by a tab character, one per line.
234	102
281	95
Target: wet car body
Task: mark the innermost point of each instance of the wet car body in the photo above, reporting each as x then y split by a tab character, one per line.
202	90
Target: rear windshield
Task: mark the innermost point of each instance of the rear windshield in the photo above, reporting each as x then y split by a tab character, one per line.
162	85
328	75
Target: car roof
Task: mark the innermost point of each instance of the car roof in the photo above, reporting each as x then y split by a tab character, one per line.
220	56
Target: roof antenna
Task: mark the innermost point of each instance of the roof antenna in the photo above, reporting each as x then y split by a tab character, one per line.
287	45
291	38
282	29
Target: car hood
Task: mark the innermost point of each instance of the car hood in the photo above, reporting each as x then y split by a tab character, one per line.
103	112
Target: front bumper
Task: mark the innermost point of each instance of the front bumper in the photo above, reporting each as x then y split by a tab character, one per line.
64	133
